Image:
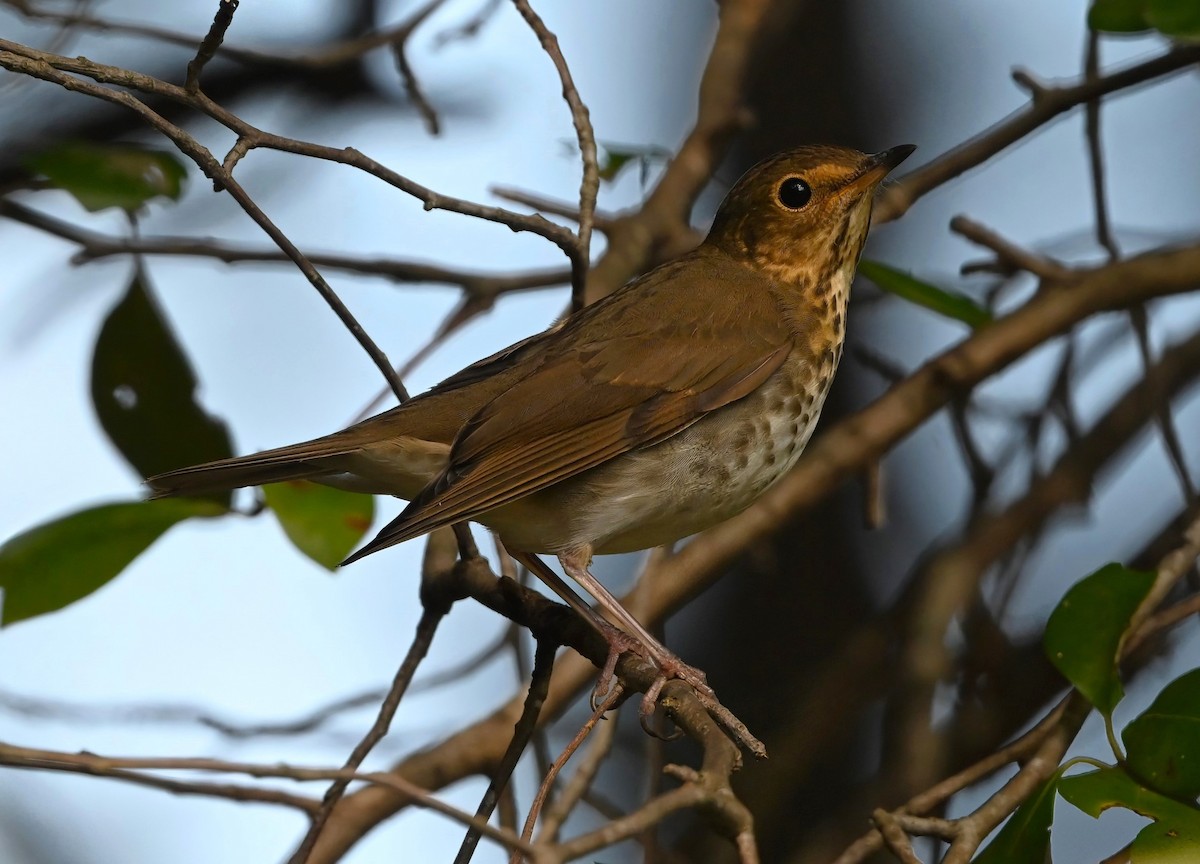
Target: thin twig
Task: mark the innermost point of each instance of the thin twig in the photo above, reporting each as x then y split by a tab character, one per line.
111	766
469	28
40	68
1052	101
50	67
610	701
1138	316
436	604
484	288
590	184
589	765
211	42
411	85
535	698
1009	253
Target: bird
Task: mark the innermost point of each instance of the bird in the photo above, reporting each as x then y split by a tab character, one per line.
667	407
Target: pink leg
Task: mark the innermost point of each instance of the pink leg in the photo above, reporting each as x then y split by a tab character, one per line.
638	639
576	564
618	640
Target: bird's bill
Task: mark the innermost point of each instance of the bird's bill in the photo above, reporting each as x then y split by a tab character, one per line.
879	165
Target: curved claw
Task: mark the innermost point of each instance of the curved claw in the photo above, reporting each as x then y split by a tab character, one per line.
649	709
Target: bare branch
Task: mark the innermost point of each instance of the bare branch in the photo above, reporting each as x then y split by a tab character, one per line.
109	766
590	185
51	67
411	85
212	41
1050	103
535	698
436	602
483	288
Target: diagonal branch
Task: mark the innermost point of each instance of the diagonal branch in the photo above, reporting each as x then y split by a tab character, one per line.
1048	103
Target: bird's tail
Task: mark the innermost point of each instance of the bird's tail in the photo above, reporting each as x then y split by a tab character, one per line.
305	461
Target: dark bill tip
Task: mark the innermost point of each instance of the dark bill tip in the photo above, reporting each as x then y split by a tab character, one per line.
893	156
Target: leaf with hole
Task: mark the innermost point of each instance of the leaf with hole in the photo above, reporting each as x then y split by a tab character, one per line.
111	175
143	389
66	559
1083	635
1025	837
324	523
949	304
1163	742
1174	836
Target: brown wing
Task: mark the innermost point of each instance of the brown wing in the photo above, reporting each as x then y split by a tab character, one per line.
628	375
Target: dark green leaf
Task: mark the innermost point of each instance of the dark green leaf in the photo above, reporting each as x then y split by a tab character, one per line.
951	304
111	175
324	523
1174	838
1118	16
1083	635
1025	837
57	563
143	388
1163	742
1179	18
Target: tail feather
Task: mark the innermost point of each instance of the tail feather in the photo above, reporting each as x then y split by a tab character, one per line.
297	462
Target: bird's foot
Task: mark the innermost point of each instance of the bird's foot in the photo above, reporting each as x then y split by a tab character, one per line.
670	667
619	642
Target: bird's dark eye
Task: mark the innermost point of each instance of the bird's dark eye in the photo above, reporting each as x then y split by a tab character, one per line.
794	193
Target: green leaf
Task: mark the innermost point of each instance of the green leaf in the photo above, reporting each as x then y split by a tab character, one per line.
1118	16
59	562
111	175
143	388
951	304
1025	837
1179	18
1168	841
612	161
1083	635
324	523
1163	742
1173	838
614	158
1093	792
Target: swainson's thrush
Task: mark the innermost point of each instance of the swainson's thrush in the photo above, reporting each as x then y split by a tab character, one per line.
664	408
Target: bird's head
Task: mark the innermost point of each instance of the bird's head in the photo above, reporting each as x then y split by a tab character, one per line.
805	212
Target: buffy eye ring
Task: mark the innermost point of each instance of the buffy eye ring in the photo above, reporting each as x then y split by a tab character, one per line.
794	193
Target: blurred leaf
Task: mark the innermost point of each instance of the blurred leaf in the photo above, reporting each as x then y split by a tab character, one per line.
613	158
1174	838
1025	837
1083	635
1163	742
143	388
1118	16
1179	18
324	523
612	161
55	564
111	175
948	303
